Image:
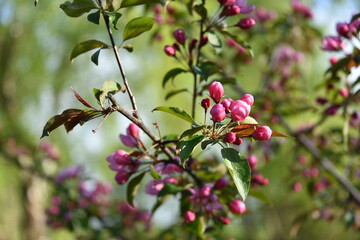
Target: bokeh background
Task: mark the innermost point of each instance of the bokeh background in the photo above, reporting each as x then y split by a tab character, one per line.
36	77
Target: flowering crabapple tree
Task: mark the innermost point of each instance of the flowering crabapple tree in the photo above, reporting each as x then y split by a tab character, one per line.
208	198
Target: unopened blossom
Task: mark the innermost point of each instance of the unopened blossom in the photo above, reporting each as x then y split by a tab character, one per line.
216	91
189	216
180	36
333	60
258	179
262	133
238	141
226	2
344	92
332	43
133	130
69	172
252	159
121	177
226	103
229	137
248	98
203	41
240	110
297	187
170	50
220	183
205	103
237	207
218	113
262	15
246	23
332	110
156	185
225	220
301	9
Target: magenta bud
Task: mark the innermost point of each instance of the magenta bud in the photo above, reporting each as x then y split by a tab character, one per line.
252	159
205	191
321	101
220	183
343	30
216	91
238	141
333	60
229	137
180	36
170	50
344	92
133	130
248	98
226	2
121	177
332	44
189	216
297	187
205	103
192	44
237	207
203	41
225	220
332	110
218	113
226	103
231	10
246	23
239	110
262	133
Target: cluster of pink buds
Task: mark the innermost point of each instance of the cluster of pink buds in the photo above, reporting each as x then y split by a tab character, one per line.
123	164
236	110
182	44
235	7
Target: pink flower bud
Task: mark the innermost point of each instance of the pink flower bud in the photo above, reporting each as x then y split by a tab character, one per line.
229	137
220	183
319	187
205	191
252	159
238	141
205	103
321	101
332	110
226	103
121	177
239	110
203	41
225	220
189	216
231	10
128	140
333	60
343	30
133	130
170	50
226	2
180	36
302	159
297	187
248	98
246	23
218	113
237	207
332	44
216	91
192	44
262	133
344	92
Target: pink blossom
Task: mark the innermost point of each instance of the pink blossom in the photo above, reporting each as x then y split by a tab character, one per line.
252	159
205	191
189	216
154	186
263	15
262	133
229	137
246	23
203	41
239	110
258	179
170	50
333	60
69	172
248	98
118	160
226	2
297	187
121	177
344	92
220	183
225	220
128	140
180	36
133	130
301	9
343	30
205	103
167	168
218	113
226	103
332	43
237	207
238	141
216	91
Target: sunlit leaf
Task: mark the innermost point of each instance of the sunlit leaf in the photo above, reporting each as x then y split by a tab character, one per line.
170	75
78	7
137	26
86	46
178	112
239	170
114	18
191	131
130	3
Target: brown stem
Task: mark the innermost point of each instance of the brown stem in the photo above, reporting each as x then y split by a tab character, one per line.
118	60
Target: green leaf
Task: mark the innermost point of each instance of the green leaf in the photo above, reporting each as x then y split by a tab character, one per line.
133	187
206	69
95	57
239	170
86	46
205	143
97	93
78	7
137	26
170	75
108	87
178	112
187	146
114	18
174	92
130	3
249	120
128	47
94	17
154	173
159	202
169	188
215	41
201	10
191	131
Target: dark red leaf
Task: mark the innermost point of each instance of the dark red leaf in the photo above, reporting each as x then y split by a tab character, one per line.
82	100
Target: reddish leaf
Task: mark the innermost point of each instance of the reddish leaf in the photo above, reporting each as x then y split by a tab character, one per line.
244	129
82	100
277	134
